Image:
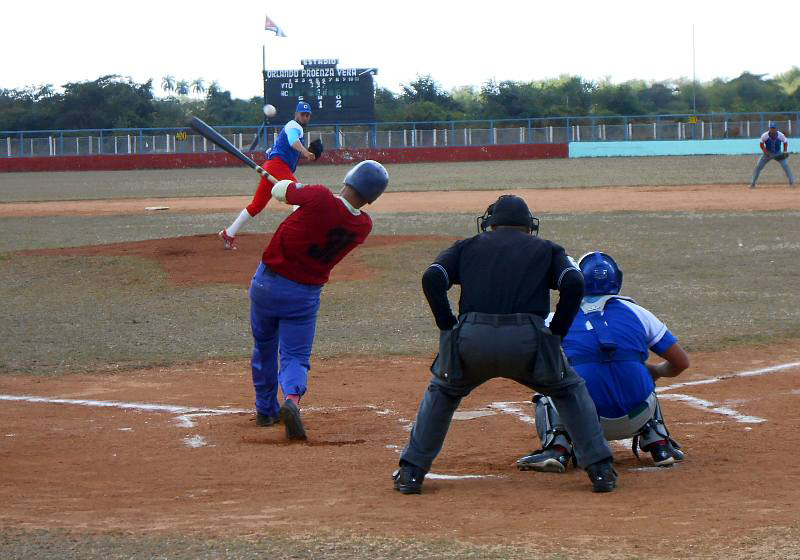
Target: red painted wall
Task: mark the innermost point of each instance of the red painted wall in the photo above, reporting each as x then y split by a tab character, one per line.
221	159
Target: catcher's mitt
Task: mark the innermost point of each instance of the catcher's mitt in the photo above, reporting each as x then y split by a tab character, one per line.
316	148
781	156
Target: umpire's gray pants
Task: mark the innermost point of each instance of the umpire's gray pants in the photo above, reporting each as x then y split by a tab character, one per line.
490	351
762	161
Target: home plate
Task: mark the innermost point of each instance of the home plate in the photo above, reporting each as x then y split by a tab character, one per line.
157	208
436	476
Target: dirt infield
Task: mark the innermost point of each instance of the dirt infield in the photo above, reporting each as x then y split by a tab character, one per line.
197	259
581	200
100	457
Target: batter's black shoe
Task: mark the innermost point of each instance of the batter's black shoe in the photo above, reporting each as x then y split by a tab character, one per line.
603	476
290	416
264	420
408	479
555	459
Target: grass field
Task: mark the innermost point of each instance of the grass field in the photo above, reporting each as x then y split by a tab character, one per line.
483	175
723	281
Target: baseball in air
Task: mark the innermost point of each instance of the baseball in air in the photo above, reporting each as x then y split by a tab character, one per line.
270	110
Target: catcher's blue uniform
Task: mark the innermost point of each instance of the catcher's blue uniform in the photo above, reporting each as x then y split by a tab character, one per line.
621	382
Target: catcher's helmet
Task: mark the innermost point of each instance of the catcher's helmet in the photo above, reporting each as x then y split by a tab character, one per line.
369	178
601	275
508	210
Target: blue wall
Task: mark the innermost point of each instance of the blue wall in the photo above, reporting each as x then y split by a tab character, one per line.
729	147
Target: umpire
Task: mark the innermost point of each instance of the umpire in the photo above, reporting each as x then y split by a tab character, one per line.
506	275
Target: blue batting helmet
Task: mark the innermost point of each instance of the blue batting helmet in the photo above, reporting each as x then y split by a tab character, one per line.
601	275
303	107
369	178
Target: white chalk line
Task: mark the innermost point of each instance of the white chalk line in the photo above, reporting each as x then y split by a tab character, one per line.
185	414
145	407
750	373
708	406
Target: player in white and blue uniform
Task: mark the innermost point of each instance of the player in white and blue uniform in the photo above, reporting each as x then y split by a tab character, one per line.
608	344
770	144
281	163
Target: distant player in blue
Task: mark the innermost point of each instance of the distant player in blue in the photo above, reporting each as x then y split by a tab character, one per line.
774	145
281	163
608	344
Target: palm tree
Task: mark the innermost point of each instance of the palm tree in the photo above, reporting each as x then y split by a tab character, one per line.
182	87
789	80
198	86
168	83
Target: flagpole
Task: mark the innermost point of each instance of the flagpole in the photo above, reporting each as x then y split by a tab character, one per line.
694	77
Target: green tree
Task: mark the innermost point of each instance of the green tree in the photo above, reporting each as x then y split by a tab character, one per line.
198	86
508	99
621	99
168	83
467	100
107	102
388	106
182	87
789	81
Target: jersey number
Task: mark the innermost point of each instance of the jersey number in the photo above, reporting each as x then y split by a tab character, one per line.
337	241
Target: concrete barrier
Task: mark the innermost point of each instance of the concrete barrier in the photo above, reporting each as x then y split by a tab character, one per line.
730	147
221	159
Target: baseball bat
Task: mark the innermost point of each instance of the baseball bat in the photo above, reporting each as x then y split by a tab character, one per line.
207	132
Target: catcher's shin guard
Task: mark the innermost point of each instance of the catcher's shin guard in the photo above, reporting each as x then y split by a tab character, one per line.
653	432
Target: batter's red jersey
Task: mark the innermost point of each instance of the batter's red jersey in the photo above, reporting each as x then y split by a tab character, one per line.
315	237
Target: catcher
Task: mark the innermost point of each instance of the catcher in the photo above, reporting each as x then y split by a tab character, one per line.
771	147
281	163
607	344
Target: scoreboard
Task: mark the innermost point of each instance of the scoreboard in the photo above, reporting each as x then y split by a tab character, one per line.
336	95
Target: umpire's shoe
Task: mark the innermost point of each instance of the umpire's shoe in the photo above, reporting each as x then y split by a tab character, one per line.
554	459
290	416
602	475
408	479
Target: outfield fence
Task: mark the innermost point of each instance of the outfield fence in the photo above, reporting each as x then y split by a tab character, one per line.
715	126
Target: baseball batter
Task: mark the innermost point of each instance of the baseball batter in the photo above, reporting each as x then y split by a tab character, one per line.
285	291
281	163
770	145
608	344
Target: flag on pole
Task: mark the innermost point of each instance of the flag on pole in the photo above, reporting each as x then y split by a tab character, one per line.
270	25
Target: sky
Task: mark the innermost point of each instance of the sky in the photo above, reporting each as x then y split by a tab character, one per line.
457	43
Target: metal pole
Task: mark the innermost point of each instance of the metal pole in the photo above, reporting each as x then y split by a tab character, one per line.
694	76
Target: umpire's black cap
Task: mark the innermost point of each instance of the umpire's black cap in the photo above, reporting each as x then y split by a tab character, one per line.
510	210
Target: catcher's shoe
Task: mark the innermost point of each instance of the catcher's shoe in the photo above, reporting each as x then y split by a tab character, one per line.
675	450
603	476
555	459
408	479
230	242
661	452
290	416
265	420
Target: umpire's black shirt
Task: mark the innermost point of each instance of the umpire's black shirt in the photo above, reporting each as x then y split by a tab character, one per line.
505	271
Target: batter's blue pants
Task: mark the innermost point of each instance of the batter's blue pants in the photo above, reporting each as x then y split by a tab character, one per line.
283	317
